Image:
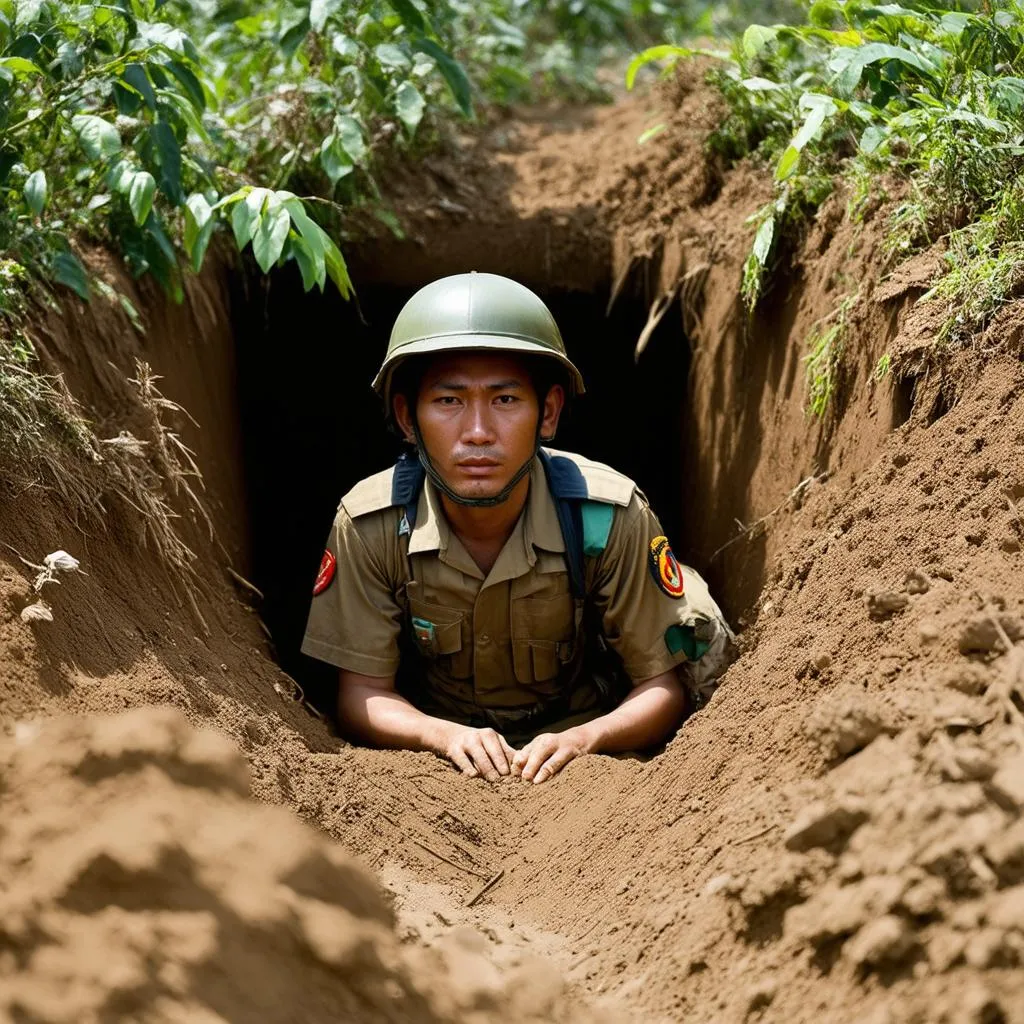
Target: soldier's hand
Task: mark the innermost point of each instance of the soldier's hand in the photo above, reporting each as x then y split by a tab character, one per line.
480	752
547	754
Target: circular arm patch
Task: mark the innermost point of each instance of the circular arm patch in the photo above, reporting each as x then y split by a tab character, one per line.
665	568
323	578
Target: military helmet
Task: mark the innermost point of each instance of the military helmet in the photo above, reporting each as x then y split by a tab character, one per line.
474	311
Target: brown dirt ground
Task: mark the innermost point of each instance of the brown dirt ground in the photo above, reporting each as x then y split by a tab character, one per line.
837	836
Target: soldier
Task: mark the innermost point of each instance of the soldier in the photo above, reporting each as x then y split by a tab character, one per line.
500	603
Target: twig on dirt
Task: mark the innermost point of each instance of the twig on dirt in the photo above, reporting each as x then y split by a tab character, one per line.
795	493
9	547
486	888
659	308
617	286
462	849
447	860
103	631
754	835
244	583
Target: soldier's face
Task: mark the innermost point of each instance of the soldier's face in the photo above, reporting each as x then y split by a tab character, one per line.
478	415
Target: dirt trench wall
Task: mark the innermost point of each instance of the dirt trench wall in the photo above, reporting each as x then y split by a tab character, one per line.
95	346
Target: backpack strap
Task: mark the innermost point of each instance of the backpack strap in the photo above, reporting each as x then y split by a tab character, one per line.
586	523
406	484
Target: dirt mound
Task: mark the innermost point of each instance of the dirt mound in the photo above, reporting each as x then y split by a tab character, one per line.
141	883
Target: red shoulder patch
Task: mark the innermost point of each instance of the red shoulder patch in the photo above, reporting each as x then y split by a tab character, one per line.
328	564
665	568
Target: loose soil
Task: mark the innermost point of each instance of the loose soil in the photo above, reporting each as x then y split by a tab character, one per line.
837	836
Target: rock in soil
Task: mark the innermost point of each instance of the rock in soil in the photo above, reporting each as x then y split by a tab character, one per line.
824	825
889	939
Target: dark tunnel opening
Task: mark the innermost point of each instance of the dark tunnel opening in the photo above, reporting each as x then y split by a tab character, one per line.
312	426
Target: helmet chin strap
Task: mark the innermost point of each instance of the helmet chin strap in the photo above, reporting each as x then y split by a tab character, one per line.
498	499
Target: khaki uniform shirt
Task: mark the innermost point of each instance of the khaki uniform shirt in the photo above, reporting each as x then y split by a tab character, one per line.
514	638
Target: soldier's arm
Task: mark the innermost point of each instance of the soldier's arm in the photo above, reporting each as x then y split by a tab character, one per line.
648	715
372	711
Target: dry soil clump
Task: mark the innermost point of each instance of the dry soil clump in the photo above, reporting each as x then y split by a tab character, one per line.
140	882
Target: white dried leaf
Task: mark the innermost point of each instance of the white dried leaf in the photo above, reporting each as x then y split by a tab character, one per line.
61	560
38	612
127	443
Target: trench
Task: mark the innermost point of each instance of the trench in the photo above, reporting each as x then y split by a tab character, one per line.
312	427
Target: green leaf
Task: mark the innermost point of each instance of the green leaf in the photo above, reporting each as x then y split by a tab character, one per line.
68	270
292	39
271	234
36	191
350	135
168	157
97	137
20	66
824	13
760	84
314	237
334	160
413	19
199	225
307	266
452	71
819	108
872	138
140	196
409	104
1008	94
763	241
663	52
191	85
390	56
243	223
320	11
336	269
756	38
848	64
120	177
651	133
347	49
787	163
135	76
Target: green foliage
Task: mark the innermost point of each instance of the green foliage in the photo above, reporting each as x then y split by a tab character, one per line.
148	123
861	90
824	360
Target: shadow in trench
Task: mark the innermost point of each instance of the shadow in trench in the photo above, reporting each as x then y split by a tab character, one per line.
312	426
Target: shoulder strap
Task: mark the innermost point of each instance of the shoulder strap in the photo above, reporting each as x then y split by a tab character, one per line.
406	484
586	523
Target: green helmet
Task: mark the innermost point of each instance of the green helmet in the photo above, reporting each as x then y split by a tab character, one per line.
474	311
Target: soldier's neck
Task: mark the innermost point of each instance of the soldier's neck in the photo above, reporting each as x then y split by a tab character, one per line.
483	531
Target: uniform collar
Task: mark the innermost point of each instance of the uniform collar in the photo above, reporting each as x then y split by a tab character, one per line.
538	527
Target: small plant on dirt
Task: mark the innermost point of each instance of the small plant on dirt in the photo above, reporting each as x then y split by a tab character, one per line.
823	362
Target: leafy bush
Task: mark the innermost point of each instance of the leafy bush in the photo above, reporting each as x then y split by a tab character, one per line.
931	95
148	122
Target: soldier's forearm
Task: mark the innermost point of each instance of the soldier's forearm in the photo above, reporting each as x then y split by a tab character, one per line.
647	716
378	715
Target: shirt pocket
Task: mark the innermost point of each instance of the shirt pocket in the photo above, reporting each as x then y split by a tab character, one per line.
543	637
442	643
